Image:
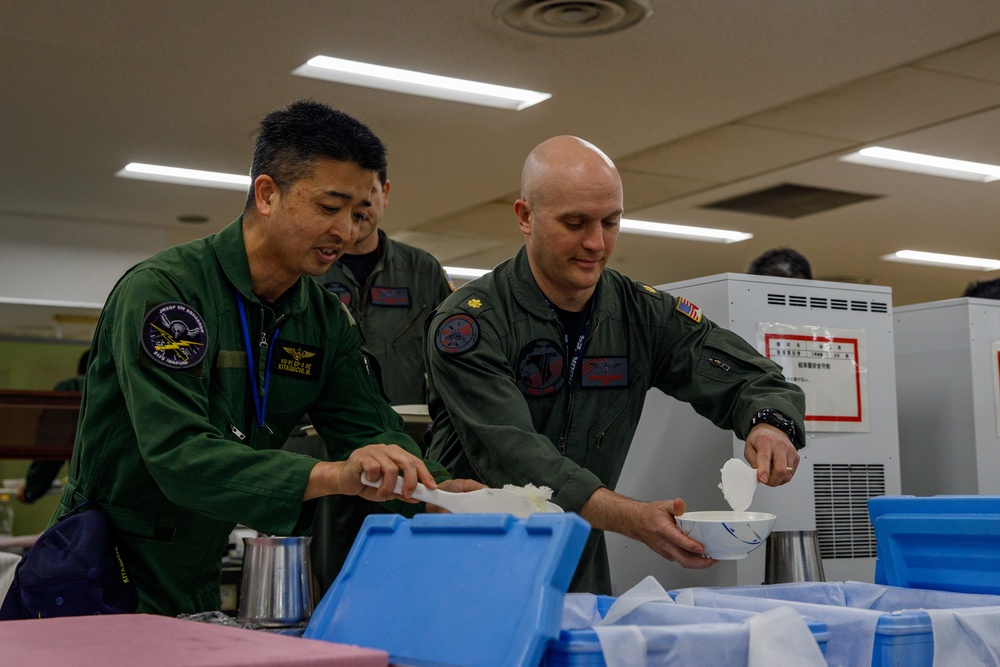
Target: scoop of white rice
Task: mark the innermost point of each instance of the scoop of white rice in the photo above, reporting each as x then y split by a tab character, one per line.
538	496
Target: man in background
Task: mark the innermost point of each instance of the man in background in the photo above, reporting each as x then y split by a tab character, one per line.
390	288
53	425
781	262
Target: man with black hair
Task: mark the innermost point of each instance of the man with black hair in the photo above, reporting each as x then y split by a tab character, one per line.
208	354
781	262
984	289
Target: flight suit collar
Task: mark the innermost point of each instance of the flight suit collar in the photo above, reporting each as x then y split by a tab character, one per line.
231	253
529	295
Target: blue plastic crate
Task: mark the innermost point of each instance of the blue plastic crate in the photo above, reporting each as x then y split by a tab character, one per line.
903	635
454	589
949	543
581	648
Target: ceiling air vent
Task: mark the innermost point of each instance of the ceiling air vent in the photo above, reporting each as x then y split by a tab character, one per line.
790	201
571	18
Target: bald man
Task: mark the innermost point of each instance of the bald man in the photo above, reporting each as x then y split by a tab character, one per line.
538	370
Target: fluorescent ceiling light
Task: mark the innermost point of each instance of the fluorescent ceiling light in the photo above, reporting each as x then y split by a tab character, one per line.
418	83
51	303
937	259
889	158
683	232
462	272
205	179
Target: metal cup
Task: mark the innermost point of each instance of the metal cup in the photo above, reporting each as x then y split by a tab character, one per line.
277	587
793	555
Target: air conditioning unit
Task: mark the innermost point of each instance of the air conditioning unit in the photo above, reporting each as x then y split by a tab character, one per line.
836	341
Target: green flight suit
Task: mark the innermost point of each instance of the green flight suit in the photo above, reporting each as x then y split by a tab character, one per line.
169	442
405	285
503	412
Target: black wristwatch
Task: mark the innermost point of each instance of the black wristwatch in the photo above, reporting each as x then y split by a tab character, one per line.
780	421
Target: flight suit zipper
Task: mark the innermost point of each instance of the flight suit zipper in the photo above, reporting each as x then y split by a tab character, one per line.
569	406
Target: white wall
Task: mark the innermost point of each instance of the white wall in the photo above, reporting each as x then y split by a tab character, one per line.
69	260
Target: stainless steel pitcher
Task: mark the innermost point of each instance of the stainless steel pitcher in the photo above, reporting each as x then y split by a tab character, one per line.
793	555
277	585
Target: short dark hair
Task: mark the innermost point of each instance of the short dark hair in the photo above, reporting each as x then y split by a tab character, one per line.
984	289
783	262
292	138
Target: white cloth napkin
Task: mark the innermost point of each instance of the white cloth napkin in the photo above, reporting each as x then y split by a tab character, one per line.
852	631
669	635
781	638
967	637
647	590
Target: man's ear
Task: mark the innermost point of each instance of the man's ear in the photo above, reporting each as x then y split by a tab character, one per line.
523	211
385	193
266	193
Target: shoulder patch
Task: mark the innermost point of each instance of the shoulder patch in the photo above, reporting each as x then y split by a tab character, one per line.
456	334
173	335
687	308
342	291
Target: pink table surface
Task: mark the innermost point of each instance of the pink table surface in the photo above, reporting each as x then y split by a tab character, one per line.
159	641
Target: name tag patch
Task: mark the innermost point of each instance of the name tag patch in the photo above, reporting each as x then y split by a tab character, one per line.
296	360
174	336
604	372
393	297
540	369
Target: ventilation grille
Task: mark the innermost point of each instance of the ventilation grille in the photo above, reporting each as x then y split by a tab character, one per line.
822	303
790	200
842	494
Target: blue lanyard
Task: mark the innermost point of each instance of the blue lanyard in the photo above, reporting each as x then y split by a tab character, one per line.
572	361
259	402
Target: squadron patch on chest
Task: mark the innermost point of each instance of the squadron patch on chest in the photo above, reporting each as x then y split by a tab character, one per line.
457	334
598	372
341	290
540	368
393	297
174	336
296	360
685	307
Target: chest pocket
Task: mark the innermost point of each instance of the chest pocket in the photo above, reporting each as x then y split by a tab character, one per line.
620	401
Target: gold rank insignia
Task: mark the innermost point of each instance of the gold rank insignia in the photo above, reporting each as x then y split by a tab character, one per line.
475	303
648	289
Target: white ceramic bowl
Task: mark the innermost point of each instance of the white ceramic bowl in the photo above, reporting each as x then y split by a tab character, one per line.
727	535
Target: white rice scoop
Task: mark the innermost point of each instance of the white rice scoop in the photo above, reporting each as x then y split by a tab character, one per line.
482	501
739	481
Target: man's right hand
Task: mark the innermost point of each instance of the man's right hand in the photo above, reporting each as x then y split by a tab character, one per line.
650	523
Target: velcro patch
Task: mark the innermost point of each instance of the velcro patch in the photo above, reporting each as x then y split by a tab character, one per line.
296	360
685	307
604	372
457	334
174	336
393	297
540	368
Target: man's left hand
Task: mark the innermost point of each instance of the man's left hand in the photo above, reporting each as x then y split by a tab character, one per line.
769	450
